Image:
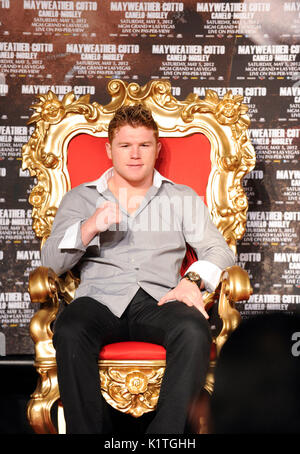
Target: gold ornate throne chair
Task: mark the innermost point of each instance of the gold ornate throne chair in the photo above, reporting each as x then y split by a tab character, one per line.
70	134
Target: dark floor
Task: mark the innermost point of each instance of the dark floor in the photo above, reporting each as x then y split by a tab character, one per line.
18	381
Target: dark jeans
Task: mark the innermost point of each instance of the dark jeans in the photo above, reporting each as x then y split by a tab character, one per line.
86	325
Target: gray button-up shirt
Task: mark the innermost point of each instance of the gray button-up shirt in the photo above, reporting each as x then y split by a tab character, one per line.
145	250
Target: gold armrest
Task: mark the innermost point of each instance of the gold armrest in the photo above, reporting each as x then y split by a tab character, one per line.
234	286
46	287
43	285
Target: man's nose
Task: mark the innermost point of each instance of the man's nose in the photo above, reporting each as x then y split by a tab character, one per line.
135	152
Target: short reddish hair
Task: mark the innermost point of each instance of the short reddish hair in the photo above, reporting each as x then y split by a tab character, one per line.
136	115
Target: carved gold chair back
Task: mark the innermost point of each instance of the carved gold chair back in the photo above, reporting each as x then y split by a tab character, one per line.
224	122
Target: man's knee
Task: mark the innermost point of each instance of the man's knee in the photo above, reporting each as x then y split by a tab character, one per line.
193	329
196	328
71	326
67	330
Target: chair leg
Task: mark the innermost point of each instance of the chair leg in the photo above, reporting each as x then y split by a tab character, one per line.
61	422
42	400
209	384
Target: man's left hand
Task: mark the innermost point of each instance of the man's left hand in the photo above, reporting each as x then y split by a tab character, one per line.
187	292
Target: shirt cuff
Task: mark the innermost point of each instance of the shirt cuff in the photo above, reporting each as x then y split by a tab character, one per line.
209	273
72	238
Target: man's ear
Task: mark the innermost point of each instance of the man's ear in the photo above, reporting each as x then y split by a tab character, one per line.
108	149
158	148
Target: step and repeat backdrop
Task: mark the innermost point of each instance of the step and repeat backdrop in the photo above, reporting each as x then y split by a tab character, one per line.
249	47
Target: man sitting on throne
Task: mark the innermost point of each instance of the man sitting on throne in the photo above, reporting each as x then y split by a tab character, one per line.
127	235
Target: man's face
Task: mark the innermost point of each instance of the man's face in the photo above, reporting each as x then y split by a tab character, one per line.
133	152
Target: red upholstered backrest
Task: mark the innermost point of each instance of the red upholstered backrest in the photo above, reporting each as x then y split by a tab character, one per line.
184	160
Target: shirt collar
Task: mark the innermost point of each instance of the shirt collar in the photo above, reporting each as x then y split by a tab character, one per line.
102	182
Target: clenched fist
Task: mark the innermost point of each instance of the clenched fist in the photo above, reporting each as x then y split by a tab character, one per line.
104	216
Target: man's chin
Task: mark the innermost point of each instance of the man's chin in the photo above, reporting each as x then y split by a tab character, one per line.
135	175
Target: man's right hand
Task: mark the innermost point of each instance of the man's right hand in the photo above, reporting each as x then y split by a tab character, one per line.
105	215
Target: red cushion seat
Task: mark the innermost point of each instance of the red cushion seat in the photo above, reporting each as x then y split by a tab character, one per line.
132	351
